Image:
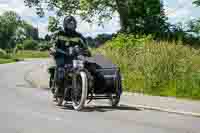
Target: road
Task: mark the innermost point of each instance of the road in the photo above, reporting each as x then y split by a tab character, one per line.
25	109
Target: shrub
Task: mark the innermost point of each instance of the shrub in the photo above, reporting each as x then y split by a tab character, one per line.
3	54
44	46
19	46
30	44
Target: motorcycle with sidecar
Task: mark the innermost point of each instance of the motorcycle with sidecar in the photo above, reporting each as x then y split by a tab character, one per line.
87	79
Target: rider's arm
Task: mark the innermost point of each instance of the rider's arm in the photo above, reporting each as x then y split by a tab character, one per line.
85	47
55	44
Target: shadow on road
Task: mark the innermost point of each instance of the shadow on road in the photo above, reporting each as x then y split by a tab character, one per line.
104	108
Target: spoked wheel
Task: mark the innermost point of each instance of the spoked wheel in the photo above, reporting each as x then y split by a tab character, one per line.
51	85
59	101
115	98
50	82
52	88
80	90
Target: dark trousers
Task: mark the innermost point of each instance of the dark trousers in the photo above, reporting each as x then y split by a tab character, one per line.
60	74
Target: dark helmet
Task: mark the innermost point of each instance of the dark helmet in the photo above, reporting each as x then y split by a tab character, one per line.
70	23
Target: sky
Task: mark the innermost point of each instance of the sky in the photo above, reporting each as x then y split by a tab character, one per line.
176	10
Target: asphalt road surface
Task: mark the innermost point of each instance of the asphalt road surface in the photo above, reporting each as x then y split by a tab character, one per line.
31	110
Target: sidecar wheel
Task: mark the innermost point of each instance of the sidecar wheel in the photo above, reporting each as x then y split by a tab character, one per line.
115	99
80	90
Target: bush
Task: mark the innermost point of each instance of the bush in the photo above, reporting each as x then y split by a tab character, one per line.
128	41
157	68
44	46
30	44
3	54
19	46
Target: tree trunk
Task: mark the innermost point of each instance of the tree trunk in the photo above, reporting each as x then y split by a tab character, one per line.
122	8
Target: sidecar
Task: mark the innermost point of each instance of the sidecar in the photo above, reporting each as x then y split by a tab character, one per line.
104	79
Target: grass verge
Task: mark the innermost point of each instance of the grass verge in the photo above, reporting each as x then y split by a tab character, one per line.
31	54
155	68
4	61
20	55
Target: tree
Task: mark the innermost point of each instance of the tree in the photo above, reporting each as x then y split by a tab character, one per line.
31	32
53	24
129	11
196	2
30	44
47	37
194	26
9	23
147	16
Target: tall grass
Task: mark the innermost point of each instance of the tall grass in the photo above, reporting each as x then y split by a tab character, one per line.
156	68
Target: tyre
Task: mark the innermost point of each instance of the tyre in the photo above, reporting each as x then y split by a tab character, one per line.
115	98
59	101
51	85
50	82
80	90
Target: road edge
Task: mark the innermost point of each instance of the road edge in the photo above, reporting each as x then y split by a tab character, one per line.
162	109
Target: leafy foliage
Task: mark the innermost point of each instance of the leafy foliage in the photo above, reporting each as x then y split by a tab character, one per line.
9	23
196	2
14	30
30	44
133	14
53	24
30	31
2	53
44	46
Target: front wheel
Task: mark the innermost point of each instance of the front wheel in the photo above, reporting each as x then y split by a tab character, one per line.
80	90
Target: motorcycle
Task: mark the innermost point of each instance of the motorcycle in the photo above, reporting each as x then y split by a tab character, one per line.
87	79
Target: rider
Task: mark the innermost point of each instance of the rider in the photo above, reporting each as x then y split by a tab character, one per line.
62	39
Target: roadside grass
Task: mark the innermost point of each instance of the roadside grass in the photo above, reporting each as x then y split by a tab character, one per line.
21	55
155	68
31	54
4	61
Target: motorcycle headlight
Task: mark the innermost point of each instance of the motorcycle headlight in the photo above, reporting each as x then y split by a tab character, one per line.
78	64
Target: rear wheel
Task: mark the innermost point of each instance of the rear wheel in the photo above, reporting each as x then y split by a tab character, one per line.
80	90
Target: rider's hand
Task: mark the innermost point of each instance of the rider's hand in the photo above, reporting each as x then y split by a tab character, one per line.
52	51
87	53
